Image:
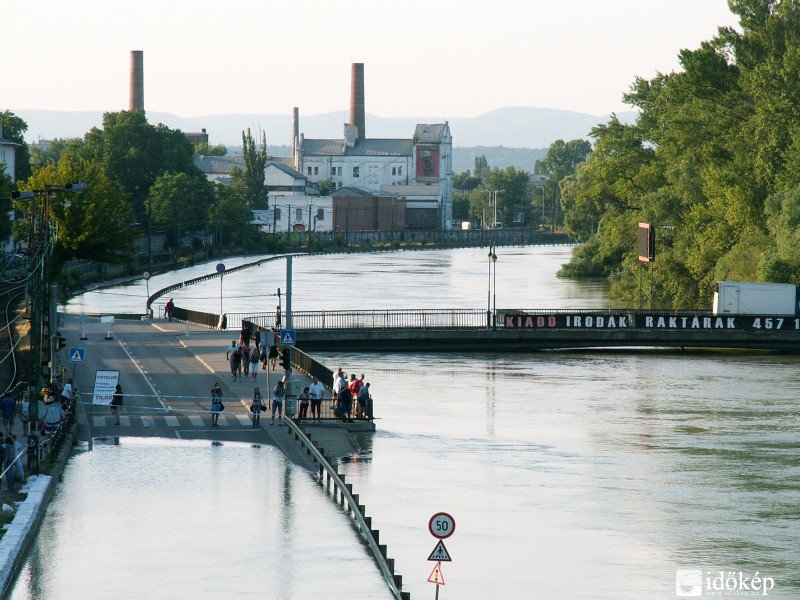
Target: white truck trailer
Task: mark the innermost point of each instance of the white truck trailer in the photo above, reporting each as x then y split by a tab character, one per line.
748	298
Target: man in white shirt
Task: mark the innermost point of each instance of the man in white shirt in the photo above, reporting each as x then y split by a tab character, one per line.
316	390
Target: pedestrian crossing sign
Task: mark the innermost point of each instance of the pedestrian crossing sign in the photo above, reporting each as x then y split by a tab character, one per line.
436	575
288	337
76	355
440	553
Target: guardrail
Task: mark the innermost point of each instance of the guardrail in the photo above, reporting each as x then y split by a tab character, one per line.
344	496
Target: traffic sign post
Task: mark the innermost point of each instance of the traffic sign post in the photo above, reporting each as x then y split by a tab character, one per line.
441	526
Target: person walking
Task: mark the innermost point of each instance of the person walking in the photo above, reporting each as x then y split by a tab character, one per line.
277	400
116	403
236	363
256	406
216	404
229	356
8	406
316	391
168	308
246	359
254	364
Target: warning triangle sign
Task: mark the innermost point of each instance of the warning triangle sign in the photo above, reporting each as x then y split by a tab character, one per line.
440	553
436	575
76	357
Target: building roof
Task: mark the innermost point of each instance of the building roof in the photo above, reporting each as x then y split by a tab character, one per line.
218	164
287	169
431	133
351	192
318	147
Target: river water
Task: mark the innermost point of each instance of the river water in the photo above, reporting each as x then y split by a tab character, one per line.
570	475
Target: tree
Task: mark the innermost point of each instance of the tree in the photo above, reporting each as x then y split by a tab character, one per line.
254	174
97	223
180	204
481	167
206	149
713	161
134	153
14	129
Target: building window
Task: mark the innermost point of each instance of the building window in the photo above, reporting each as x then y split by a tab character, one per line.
356	174
277	214
298	215
400	171
320	214
316	170
309	171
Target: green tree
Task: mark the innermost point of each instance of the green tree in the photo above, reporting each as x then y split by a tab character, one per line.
482	169
206	149
96	225
180	205
253	175
134	153
712	161
14	129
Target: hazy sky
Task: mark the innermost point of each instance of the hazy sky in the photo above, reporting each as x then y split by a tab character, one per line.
423	58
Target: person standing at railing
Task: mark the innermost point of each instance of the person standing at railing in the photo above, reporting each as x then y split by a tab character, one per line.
316	391
364	401
8	462
277	400
18	458
304	398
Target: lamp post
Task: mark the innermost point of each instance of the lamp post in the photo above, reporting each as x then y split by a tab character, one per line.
490	319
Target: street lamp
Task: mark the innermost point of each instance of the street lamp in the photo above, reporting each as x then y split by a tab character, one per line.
490	318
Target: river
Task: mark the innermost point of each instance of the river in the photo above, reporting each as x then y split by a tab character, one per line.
570	475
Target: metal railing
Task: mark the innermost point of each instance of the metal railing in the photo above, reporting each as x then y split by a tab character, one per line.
343	495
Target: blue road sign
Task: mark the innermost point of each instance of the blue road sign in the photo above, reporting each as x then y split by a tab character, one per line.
76	355
288	337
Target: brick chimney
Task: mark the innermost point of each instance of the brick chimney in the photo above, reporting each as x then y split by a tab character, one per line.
357	110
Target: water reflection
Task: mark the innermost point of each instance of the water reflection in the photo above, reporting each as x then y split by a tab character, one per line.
175	519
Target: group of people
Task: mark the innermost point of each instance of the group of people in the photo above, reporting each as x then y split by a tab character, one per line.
351	397
245	360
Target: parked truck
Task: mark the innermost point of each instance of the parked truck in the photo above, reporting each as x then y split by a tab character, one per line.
748	298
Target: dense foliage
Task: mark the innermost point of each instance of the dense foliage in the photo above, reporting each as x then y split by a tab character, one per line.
713	162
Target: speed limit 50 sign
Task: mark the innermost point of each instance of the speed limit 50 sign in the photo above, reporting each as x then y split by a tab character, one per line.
442	525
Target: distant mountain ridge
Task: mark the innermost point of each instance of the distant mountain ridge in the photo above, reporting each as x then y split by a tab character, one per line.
511	127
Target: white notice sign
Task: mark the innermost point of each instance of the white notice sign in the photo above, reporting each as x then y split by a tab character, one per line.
105	382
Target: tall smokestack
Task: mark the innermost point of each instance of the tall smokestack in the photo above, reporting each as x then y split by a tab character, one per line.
137	80
295	132
357	110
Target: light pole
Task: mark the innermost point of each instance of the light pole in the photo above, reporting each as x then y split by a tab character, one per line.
492	260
